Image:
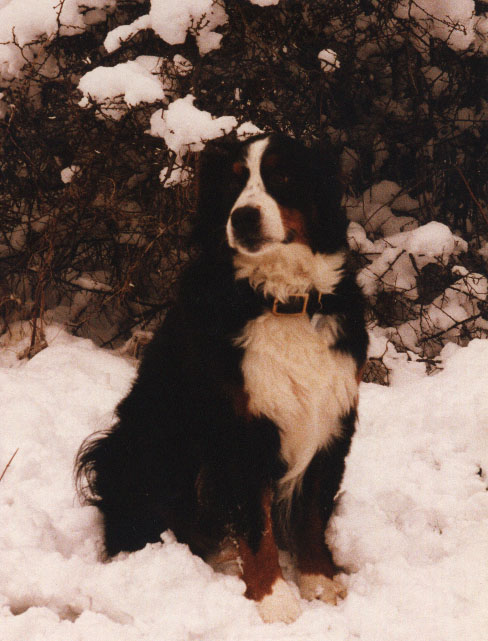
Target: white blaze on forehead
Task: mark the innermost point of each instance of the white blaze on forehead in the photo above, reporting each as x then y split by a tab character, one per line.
254	195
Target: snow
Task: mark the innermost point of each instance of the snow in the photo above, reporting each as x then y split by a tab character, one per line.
246	130
450	20
132	81
411	527
25	22
401	256
451	313
68	173
264	3
374	208
184	127
176	175
183	67
172	20
328	60
125	32
28	22
433	240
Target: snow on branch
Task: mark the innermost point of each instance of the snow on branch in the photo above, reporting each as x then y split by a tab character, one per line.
26	27
184	127
130	82
452	21
172	21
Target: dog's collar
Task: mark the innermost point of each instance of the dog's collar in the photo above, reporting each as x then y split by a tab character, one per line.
298	305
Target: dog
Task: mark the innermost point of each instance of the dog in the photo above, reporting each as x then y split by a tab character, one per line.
236	428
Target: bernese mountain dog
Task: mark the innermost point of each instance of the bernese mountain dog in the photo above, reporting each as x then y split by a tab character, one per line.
235	431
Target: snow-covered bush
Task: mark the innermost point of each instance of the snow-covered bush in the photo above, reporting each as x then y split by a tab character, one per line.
105	106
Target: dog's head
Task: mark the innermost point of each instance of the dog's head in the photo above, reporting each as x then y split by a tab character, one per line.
267	191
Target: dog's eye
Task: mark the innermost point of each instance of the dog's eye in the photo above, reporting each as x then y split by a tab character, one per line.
279	178
282	178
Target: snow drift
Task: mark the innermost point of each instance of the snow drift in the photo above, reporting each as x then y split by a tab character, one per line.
411	526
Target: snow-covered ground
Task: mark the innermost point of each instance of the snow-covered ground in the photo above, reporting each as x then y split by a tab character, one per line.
411	527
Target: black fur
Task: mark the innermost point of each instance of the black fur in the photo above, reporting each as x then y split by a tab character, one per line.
181	455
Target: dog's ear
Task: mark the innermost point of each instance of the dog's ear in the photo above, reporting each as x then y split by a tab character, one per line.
213	169
212	163
331	219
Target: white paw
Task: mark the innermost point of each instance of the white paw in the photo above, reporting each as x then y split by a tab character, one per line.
318	586
280	605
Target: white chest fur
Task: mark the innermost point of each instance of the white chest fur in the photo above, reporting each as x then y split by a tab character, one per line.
294	378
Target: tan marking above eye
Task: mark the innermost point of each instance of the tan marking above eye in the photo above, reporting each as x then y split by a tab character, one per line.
237	168
275	171
271	160
293	220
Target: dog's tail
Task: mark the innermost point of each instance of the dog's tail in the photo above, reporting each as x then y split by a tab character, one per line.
89	460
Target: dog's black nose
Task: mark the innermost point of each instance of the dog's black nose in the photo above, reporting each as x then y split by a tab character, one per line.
246	223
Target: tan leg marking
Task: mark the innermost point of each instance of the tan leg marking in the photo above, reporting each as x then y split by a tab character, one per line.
263	577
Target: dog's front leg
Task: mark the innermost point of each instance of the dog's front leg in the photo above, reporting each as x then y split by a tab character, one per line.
316	569
263	577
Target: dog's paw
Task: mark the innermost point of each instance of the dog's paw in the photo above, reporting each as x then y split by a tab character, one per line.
280	605
226	560
318	586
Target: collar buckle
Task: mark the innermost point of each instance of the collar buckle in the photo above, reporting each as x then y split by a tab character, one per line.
280	309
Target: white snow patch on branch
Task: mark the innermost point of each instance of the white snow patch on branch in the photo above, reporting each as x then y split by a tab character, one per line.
264	3
246	130
68	173
328	60
125	32
184	127
172	20
23	22
374	209
129	81
449	316
402	255
452	21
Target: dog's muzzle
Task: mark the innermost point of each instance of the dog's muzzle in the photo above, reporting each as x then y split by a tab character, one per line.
246	228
